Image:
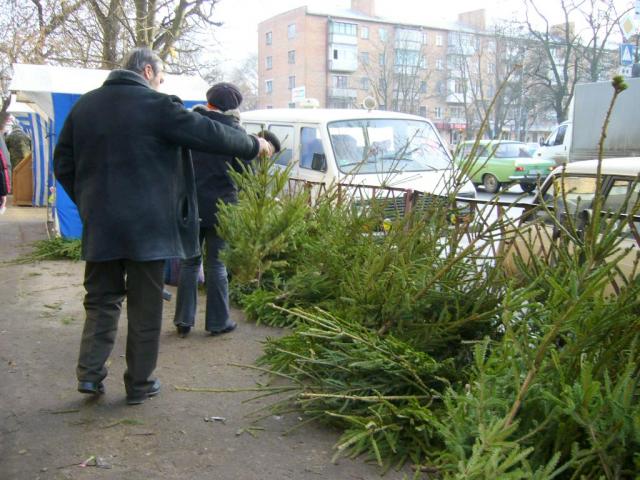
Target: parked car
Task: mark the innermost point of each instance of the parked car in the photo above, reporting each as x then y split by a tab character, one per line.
532	148
570	191
498	163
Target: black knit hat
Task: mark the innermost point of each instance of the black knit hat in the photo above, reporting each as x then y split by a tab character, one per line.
270	137
224	96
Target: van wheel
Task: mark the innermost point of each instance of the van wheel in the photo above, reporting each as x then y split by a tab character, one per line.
491	183
528	187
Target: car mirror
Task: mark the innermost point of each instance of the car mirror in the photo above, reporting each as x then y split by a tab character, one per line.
319	162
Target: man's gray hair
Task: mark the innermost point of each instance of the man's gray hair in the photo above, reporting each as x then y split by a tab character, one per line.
140	57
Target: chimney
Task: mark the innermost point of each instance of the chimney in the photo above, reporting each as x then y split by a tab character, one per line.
474	19
366	7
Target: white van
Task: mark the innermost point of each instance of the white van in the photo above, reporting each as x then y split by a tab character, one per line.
361	147
557	145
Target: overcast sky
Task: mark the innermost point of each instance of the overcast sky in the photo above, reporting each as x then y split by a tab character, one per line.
238	35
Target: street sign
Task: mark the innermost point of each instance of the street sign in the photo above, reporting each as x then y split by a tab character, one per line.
627	54
625	71
629	25
298	94
637	9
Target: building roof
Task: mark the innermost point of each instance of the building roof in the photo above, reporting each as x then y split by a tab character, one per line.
347	14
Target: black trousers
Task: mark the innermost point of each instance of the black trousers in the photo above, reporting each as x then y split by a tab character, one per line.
107	284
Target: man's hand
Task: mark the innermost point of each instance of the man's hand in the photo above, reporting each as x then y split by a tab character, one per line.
3	204
266	149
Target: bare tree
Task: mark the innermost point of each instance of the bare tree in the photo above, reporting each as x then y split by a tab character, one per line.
400	76
558	50
603	20
245	77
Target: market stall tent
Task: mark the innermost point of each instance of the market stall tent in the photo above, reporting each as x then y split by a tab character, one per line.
50	92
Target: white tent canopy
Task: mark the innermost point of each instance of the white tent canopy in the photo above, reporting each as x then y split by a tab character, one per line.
35	83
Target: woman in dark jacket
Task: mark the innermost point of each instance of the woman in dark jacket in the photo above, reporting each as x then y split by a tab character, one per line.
213	183
5	174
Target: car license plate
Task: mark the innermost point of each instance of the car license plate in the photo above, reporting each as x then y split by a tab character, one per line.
534	172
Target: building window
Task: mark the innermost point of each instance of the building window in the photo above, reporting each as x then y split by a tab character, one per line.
291	31
423	88
268	38
292	82
423	111
458	86
381	60
437	113
291	55
340	81
425	38
268	62
491	68
364	32
342	28
268	86
382	84
439	40
364	58
439	64
382	34
364	83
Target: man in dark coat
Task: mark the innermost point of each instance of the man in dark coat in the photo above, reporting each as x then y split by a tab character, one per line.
120	158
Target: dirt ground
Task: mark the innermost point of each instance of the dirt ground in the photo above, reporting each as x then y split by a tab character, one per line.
47	428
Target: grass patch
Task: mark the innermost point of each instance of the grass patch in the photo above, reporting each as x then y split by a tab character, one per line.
57	248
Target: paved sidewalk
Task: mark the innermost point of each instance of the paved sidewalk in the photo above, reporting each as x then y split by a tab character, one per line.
47	429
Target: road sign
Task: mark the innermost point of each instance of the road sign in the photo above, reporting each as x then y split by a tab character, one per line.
637	9
627	54
298	94
625	71
629	25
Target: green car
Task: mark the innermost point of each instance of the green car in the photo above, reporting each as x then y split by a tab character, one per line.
498	163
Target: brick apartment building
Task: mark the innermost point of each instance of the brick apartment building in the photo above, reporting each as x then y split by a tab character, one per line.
340	57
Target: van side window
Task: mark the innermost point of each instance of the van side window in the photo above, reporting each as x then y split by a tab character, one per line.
285	135
310	144
253	128
562	129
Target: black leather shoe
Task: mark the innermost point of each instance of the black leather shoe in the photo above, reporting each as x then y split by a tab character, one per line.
152	392
91	388
227	329
183	330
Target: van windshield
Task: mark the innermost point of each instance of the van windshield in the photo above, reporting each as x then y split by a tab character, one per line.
387	146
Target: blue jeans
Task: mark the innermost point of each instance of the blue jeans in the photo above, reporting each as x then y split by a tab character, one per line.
217	285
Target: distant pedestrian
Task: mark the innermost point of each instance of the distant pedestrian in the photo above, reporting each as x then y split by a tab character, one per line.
213	184
5	174
120	158
19	145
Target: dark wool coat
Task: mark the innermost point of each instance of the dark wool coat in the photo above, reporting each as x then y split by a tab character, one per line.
213	181
119	158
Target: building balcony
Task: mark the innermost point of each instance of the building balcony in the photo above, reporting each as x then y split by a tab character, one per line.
455	98
346	65
343	39
343	93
